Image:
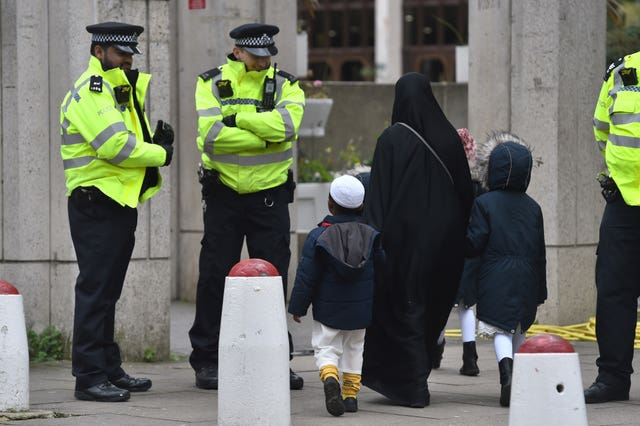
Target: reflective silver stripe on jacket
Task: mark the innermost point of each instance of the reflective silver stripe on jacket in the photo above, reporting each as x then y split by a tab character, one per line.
626	141
72	163
107	133
618	119
209	112
72	139
253	160
601	125
211	136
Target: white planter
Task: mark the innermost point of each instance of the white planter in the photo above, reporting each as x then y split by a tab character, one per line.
311	204
314	120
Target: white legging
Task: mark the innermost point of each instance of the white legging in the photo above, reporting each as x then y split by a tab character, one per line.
507	344
467	325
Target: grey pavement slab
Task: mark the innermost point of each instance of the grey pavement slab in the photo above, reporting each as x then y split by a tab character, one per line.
174	399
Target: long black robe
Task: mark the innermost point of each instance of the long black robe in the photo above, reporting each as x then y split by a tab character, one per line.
422	217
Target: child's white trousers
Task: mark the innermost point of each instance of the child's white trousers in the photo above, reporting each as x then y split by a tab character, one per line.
342	348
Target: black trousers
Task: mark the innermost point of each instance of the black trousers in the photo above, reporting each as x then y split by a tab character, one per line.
618	288
103	237
263	219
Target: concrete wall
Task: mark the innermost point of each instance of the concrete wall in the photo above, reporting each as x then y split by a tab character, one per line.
45	47
539	65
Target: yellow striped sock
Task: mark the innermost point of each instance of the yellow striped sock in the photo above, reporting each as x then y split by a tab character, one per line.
350	385
329	371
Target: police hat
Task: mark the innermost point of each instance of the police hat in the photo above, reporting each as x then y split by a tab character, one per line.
123	37
256	39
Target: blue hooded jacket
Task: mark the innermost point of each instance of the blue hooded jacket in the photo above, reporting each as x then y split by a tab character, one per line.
335	273
506	230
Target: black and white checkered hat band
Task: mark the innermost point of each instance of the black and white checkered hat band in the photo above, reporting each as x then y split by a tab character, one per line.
262	41
114	38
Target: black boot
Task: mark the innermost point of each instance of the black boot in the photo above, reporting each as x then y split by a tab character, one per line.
437	355
506	371
469	359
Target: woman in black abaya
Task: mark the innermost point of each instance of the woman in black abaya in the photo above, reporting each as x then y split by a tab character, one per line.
419	199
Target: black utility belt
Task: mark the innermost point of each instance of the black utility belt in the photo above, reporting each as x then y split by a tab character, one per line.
212	185
89	193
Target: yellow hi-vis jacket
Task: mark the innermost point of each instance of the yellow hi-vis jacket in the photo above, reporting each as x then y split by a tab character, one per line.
256	154
102	139
617	125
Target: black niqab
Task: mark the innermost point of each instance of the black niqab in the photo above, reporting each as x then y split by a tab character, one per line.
422	217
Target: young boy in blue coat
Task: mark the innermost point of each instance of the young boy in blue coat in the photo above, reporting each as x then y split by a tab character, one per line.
506	231
335	275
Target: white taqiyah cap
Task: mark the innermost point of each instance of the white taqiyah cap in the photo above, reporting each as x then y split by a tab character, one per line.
347	191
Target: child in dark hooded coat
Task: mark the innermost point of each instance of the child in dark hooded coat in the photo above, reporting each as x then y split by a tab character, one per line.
506	231
335	275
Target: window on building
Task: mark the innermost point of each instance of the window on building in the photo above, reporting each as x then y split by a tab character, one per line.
352	71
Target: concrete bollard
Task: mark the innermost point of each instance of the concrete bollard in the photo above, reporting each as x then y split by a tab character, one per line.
253	364
546	388
14	351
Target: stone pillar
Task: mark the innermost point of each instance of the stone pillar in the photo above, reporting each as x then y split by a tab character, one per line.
388	44
543	87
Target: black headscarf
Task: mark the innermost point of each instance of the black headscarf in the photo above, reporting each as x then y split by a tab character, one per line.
414	104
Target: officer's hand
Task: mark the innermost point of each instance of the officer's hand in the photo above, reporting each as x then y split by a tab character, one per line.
163	134
169	150
230	120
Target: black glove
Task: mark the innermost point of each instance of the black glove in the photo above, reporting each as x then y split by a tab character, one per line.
230	120
163	134
169	150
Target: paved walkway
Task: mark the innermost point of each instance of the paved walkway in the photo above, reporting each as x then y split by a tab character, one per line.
174	399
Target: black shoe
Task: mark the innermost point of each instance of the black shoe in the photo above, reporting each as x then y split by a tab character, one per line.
133	384
506	372
599	392
207	377
333	397
469	359
437	355
295	382
350	405
102	392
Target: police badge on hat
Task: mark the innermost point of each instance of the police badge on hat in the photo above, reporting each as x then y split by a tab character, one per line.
256	39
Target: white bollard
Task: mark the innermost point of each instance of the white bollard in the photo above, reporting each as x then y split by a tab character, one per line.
14	351
546	389
253	364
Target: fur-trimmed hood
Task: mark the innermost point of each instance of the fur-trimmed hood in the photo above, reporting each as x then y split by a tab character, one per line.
504	161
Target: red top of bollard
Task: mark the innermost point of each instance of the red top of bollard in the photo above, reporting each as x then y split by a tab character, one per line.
253	268
7	288
546	343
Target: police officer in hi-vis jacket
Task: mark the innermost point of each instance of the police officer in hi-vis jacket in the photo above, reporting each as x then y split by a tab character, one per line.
111	161
617	132
249	113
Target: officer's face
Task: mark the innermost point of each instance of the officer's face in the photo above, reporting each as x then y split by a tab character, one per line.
113	58
252	62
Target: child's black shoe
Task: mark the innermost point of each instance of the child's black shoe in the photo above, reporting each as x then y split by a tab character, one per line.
333	397
350	405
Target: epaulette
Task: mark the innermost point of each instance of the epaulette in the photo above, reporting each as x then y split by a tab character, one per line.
95	84
611	67
292	78
208	75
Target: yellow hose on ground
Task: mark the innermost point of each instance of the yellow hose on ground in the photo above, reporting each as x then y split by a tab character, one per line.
585	332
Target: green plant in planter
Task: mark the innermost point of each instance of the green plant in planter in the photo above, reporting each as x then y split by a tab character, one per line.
327	167
314	89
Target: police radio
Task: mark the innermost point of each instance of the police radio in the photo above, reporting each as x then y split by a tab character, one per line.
269	92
